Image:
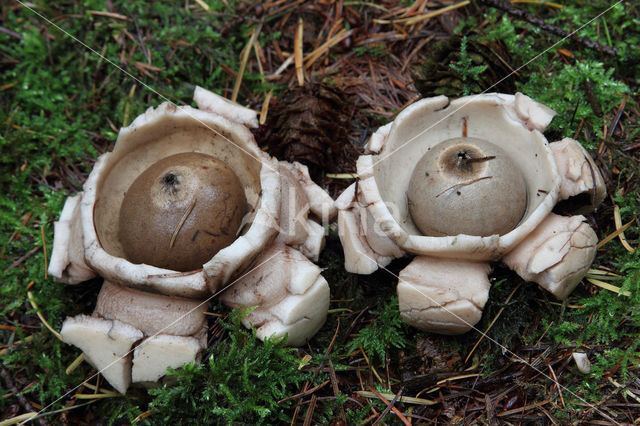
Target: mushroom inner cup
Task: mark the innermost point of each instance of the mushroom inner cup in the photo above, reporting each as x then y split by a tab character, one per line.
419	129
128	161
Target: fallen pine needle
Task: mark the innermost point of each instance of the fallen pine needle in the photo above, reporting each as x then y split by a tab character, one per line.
404	399
555	379
424	17
281	68
342	175
390	407
297	53
265	107
454	378
540	2
608	286
27	339
76	362
626	391
305	393
366	358
523	409
616	232
203	5
324	47
600	272
19	419
366	3
95	395
127	107
618	221
108	14
338	310
560	304
44	321
143	416
23	418
243	63
101	390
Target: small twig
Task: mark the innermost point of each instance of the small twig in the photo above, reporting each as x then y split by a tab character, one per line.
521	14
616	119
145	50
23	258
491	409
310	410
21	399
8	32
390	406
555	379
182	221
336	389
294	418
523	409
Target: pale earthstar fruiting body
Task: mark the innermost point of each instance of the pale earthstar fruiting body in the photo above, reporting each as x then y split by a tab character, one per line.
177	186
460	184
181	211
466	186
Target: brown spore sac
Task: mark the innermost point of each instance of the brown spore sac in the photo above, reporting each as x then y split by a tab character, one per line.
466	186
181	211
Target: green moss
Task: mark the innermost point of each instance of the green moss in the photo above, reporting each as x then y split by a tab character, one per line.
241	380
387	330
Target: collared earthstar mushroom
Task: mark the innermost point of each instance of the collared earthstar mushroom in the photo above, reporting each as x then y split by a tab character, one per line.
460	184
186	205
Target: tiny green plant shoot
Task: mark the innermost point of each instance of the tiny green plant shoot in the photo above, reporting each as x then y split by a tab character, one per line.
468	71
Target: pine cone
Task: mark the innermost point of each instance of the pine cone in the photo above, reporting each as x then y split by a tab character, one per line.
436	76
310	124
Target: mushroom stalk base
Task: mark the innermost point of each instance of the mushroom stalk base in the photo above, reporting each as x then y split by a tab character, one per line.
443	296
